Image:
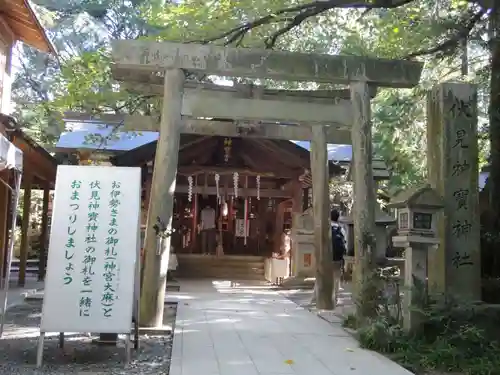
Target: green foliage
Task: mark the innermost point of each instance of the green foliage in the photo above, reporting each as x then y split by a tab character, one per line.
44	88
202	21
400	136
454	337
81	31
86	84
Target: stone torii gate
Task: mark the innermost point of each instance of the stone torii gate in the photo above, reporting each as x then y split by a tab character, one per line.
319	116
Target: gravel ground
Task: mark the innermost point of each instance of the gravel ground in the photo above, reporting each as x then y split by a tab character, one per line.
19	346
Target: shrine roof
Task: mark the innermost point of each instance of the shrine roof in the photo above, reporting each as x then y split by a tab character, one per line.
278	159
22	20
80	132
36	159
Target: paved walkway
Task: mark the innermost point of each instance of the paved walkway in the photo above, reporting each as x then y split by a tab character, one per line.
252	330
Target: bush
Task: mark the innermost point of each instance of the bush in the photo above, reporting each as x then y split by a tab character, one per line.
454	337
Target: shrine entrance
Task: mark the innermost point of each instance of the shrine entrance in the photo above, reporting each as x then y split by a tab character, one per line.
245	187
256	112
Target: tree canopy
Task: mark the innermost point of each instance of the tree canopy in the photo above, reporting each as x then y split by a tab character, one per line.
453	37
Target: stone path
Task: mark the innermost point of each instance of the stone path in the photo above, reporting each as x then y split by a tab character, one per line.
250	329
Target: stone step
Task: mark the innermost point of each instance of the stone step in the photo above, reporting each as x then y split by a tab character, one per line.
220	267
225	267
236	266
212	273
243	258
219	276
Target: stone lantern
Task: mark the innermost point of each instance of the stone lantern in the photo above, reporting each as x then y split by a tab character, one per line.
417	211
416	215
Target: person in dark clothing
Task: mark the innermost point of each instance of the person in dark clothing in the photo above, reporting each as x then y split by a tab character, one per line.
339	250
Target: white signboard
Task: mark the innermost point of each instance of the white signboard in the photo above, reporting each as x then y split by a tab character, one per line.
91	270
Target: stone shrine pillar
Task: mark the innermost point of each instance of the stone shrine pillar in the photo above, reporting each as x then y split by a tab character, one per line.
453	171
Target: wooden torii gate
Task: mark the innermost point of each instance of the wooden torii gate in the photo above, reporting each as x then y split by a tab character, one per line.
319	116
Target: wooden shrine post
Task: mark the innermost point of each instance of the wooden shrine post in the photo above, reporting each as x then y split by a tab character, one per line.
4	220
195	207
42	264
162	201
297	209
364	195
278	229
305	199
23	258
321	210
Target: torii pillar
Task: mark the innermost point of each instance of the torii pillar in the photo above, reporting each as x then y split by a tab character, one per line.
161	202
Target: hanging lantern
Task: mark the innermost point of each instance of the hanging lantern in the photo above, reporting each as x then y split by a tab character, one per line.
190	188
217	178
258	188
235	181
225	209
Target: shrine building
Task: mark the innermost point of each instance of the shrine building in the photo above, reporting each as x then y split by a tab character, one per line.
251	187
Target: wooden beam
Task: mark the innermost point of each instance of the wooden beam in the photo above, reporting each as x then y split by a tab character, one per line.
153	85
209	59
192	170
321	208
139	123
248	130
206	104
251	192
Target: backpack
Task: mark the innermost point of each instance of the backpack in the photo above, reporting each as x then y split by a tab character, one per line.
338	243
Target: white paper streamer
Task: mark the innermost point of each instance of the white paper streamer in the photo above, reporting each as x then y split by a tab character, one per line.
217	179
235	181
190	188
